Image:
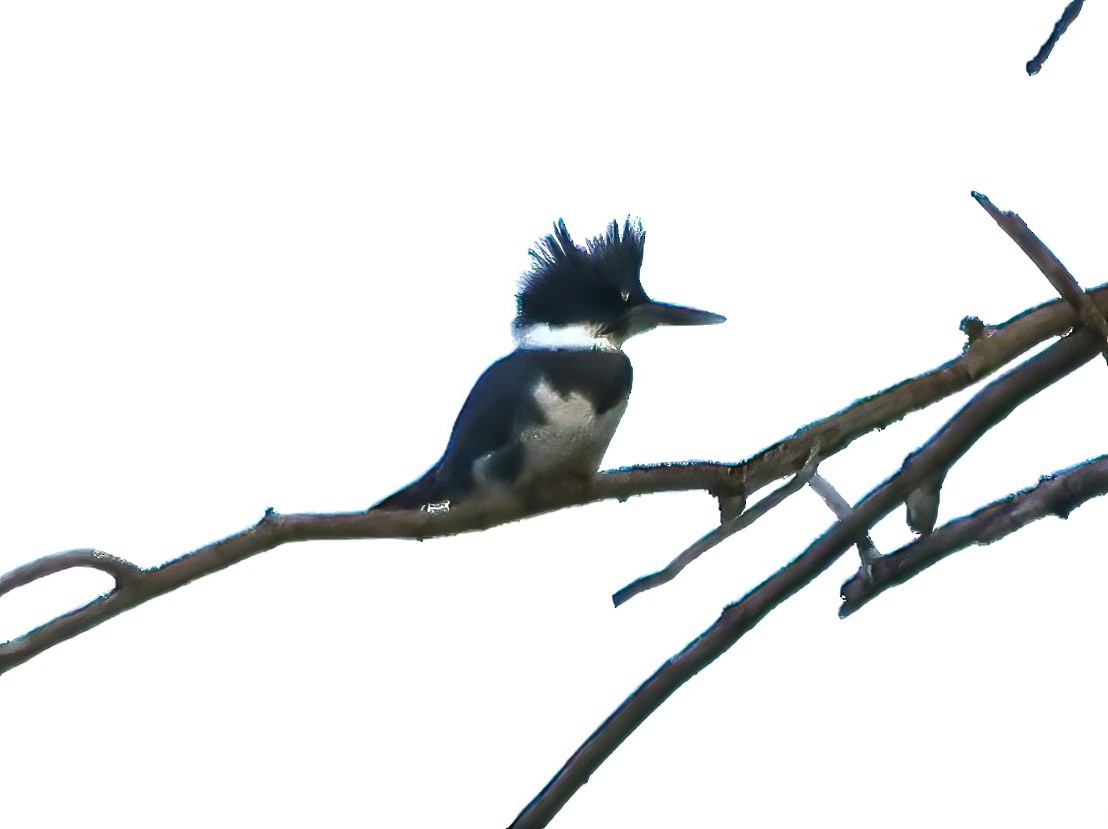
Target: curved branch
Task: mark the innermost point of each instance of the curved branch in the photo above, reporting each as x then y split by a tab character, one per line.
987	408
123	571
1058	494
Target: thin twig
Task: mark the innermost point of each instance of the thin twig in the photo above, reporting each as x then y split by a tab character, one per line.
1058	494
867	550
714	537
987	408
1069	14
1056	273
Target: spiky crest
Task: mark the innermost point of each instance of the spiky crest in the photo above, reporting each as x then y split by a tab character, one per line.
568	284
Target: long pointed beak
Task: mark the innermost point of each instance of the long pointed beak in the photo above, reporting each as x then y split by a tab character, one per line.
662	313
652	314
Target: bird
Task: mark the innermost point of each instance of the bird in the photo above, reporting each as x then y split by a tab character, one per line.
545	414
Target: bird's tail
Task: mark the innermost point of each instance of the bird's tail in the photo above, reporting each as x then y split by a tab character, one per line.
414	496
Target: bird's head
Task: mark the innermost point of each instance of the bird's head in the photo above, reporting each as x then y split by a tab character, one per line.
592	295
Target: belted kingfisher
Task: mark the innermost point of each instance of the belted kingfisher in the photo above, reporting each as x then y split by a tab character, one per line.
548	410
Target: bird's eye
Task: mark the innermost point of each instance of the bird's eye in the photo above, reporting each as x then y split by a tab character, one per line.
625	295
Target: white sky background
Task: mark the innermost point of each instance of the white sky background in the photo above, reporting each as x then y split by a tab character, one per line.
255	255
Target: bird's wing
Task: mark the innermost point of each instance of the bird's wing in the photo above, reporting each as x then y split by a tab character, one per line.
500	407
499	403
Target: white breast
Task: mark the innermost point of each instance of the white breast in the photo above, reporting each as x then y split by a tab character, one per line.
573	439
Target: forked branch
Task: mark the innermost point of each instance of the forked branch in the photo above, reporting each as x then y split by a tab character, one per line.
1058	494
124	572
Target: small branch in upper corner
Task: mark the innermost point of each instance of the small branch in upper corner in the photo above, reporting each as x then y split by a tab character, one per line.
1051	266
1069	15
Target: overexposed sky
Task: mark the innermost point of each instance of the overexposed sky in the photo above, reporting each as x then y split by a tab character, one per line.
255	254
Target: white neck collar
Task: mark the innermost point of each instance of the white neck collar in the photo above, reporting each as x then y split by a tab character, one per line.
579	336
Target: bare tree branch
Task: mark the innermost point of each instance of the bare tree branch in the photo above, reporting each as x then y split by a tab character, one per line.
1069	14
995	347
714	537
135	585
987	408
123	571
923	503
1058	494
867	550
1056	273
